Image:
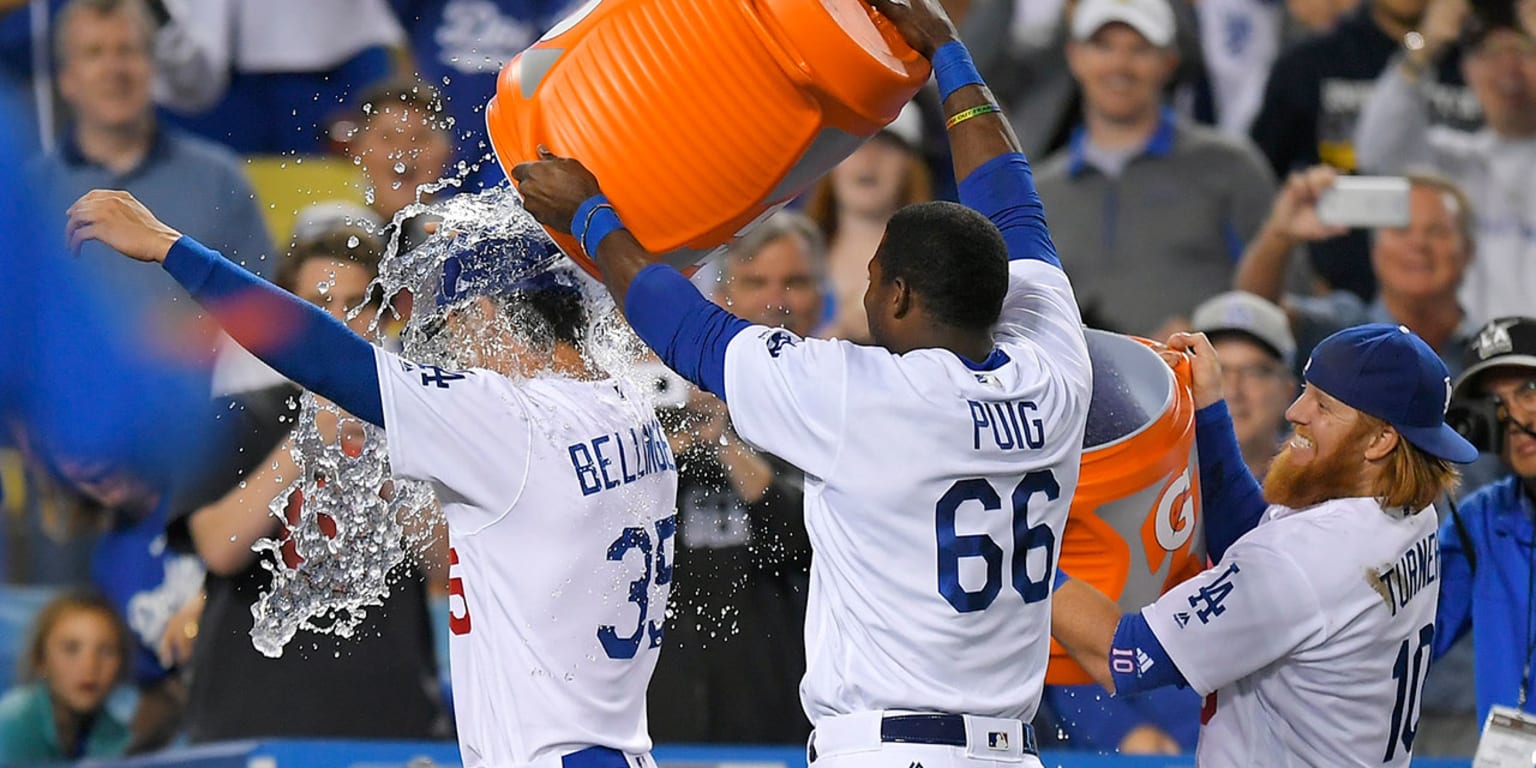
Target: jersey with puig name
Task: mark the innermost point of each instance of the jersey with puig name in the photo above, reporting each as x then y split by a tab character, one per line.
935	496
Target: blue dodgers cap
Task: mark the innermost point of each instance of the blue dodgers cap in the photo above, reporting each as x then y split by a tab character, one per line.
502	266
1389	372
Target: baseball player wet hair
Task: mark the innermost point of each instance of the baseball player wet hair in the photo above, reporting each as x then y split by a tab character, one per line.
952	257
562	309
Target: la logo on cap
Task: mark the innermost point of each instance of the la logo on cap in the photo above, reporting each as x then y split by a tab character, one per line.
1494	340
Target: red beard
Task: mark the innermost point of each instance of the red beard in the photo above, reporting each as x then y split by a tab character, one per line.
1334	475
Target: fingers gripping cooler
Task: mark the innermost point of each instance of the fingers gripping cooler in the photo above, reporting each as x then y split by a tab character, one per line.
701	117
1134	530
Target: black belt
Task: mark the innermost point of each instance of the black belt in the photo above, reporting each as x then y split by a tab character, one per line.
943	730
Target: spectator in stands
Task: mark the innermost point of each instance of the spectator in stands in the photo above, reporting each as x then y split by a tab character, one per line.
460	46
1419	267
77	653
324	686
1030	76
267	76
852	204
1313	100
25	29
743	556
1485	548
102	49
1495	165
1149	211
401	143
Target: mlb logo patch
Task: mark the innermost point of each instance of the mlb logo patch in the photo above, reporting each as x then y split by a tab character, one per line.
997	740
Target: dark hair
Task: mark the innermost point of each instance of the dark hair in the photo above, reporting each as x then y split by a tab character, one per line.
340	243
562	309
1487	17
952	257
33	661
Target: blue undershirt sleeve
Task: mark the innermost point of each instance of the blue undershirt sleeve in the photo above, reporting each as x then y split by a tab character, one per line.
1137	660
1003	190
299	340
1232	501
687	331
1453	619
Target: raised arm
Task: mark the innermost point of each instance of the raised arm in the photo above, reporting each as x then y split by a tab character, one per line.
1393	131
1292	221
299	340
993	174
687	331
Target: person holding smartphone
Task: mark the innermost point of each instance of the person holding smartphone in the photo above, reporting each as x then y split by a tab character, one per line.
1419	266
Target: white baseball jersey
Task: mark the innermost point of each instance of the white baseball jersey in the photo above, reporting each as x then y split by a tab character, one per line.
1310	639
560	499
935	497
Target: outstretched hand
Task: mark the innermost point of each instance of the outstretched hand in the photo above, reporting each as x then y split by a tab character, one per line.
553	188
922	23
119	221
1204	366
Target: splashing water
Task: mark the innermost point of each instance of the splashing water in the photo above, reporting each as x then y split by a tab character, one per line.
335	560
355	524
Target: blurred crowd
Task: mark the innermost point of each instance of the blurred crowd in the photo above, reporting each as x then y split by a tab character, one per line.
1181	148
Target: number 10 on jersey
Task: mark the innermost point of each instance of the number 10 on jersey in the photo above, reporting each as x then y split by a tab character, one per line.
1027	538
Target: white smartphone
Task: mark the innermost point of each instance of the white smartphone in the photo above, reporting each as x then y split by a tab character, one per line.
1365	202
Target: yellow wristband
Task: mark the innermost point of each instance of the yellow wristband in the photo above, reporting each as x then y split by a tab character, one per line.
967	114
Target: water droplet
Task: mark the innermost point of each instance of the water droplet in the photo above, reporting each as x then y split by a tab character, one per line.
323	287
353	241
399	167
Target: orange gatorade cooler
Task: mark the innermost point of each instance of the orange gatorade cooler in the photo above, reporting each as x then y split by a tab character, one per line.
1134	529
701	117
